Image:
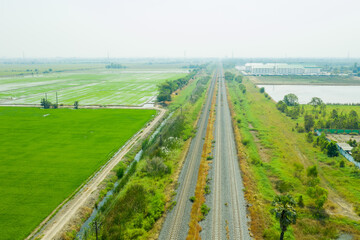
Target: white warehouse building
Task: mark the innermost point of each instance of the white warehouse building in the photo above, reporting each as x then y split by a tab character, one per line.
279	69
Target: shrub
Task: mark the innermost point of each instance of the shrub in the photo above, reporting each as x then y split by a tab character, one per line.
120	172
342	163
332	150
312	171
300	130
207	189
204	209
301	201
156	167
262	90
192	199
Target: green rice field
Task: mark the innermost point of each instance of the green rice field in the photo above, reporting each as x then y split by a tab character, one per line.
97	86
46	154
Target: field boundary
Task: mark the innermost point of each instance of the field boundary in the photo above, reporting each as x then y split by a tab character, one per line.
67	209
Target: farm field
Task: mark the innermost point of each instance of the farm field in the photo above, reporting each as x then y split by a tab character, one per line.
99	86
46	154
306	80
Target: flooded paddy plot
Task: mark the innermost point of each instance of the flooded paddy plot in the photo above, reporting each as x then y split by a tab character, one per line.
95	87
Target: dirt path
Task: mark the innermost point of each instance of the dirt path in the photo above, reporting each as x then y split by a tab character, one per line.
53	224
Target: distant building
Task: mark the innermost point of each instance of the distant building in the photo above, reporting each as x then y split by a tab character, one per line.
279	69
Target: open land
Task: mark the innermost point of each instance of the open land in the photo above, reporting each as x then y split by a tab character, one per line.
46	154
96	86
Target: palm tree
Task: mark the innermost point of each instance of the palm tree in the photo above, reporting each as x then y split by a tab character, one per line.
284	211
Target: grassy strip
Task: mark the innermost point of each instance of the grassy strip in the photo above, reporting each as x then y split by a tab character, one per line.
270	156
197	213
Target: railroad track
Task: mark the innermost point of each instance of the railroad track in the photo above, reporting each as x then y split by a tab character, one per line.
216	206
176	220
228	185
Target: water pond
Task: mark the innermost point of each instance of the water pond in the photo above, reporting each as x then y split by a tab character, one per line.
329	94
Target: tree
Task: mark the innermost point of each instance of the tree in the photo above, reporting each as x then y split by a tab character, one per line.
45	103
312	171
229	76
301	201
291	99
76	104
238	78
309	137
334	114
319	195
315	101
262	90
332	150
284	211
281	106
308	122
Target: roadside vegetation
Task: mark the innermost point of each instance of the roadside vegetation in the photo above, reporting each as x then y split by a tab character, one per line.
276	159
138	208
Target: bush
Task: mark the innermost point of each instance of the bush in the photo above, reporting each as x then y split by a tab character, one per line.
262	90
332	150
120	172
301	201
204	209
342	163
309	137
300	130
156	167
192	199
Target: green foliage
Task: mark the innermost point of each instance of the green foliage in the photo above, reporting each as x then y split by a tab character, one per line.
115	65
121	170
309	137
284	210
207	189
300	202
312	171
332	150
204	209
262	90
192	199
156	167
342	164
238	79
45	103
167	88
308	122
315	102
319	195
291	99
229	76
76	104
281	105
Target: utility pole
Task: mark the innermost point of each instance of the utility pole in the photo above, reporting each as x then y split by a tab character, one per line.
46	96
56	98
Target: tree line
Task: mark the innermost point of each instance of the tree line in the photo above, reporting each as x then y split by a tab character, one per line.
167	88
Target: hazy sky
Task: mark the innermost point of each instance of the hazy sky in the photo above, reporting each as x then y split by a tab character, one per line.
166	28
